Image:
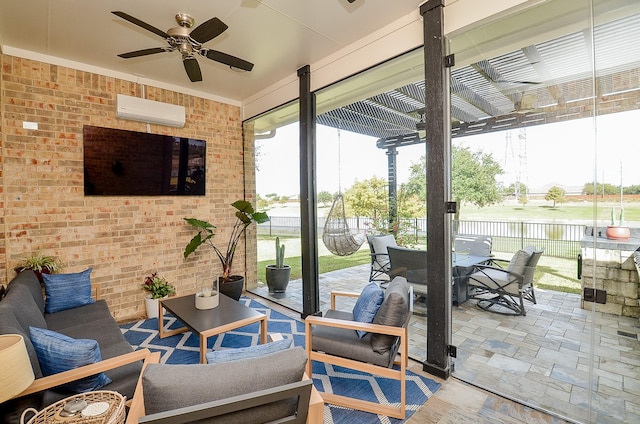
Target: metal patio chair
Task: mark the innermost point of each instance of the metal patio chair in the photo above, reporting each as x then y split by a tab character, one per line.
503	290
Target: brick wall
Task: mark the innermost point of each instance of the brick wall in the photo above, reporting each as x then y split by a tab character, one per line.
42	202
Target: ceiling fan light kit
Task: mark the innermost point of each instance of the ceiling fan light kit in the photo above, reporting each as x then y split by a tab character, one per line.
188	42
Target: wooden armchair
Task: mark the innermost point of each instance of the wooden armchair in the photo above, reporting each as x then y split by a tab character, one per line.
333	339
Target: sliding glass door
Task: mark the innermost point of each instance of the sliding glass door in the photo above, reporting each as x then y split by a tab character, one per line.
541	102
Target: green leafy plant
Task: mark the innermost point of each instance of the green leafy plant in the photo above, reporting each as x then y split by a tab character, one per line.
158	286
40	263
279	253
245	216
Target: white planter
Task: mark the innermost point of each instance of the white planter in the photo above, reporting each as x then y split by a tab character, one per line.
152	307
207	302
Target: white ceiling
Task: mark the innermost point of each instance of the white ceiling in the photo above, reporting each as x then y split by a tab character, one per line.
278	36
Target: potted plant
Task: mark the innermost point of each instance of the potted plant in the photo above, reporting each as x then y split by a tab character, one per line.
617	230
40	264
231	285
159	288
278	275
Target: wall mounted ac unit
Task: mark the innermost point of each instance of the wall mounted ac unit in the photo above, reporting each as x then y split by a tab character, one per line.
143	110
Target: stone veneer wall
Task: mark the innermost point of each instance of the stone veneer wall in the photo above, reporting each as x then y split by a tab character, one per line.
42	202
609	266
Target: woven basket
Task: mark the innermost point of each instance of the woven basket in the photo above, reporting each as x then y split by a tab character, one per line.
51	414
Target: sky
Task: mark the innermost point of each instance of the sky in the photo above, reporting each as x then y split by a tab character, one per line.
554	154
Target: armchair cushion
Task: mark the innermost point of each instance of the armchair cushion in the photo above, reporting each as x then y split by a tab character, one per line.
66	291
168	387
393	311
367	305
519	262
380	243
57	353
257	351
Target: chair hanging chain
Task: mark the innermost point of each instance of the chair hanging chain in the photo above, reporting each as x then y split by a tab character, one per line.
339	165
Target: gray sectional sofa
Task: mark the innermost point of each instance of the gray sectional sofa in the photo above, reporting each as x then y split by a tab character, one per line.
24	307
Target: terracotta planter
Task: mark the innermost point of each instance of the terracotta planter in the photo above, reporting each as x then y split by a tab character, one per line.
615	232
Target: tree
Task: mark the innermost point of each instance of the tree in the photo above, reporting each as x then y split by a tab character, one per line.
473	177
368	198
325	197
556	194
511	190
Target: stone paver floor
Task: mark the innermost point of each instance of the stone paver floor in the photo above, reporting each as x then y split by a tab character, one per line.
541	359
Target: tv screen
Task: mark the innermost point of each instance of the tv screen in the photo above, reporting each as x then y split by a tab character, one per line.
129	163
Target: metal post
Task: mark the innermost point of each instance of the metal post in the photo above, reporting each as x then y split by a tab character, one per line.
438	150
392	176
308	203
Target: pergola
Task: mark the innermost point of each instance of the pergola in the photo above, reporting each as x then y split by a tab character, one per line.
543	83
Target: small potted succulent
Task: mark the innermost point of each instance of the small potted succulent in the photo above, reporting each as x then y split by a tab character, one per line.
617	230
40	264
278	275
159	288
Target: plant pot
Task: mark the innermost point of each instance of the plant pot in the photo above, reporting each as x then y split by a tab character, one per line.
615	232
151	305
232	287
277	278
207	302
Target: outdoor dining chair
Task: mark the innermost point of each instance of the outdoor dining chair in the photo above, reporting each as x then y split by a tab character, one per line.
474	245
378	245
503	286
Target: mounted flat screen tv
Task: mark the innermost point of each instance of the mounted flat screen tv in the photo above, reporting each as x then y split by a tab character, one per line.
129	163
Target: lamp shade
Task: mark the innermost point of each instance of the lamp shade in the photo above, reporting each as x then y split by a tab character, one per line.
17	373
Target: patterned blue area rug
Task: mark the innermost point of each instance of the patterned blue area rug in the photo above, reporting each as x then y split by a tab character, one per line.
184	348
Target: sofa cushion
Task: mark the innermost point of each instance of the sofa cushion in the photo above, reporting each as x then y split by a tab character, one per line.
29	280
257	351
66	291
167	387
367	305
92	312
9	325
393	312
110	340
24	307
57	353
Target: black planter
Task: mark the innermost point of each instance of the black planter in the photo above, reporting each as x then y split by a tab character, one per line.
277	278
233	287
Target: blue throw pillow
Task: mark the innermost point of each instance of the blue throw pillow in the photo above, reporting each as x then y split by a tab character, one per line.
237	354
367	305
57	353
66	291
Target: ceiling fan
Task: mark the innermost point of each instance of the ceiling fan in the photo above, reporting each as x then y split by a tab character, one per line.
188	42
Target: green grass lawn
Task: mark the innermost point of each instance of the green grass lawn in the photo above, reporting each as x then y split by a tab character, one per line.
552	273
325	263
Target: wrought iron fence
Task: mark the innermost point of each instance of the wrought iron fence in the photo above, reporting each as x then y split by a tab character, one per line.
558	240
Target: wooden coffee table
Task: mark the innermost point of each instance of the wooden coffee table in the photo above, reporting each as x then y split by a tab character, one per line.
227	316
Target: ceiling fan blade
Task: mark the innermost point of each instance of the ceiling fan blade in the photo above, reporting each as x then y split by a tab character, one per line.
144	52
141	24
227	59
208	30
192	68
